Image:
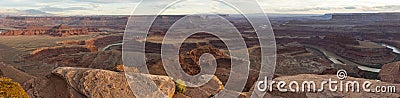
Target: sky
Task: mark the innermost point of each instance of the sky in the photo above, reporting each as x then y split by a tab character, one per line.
125	7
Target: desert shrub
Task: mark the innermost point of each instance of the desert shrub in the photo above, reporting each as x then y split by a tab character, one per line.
180	86
10	89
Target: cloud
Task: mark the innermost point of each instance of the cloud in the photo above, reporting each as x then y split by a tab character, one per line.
99	7
382	8
34	12
305	9
109	1
30	12
345	8
56	9
350	7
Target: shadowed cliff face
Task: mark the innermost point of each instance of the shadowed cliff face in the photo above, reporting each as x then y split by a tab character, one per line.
50	52
103	41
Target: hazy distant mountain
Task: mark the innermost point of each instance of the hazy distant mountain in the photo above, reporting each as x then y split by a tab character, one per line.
29	12
279	16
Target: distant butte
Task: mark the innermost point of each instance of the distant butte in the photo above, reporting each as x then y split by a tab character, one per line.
60	31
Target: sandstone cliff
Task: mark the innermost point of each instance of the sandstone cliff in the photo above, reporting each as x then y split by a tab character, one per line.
103	41
106	84
390	73
60	31
50	52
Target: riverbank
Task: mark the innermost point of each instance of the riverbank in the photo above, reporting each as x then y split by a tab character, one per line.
395	50
369	73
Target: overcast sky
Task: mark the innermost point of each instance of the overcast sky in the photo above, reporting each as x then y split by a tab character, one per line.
125	7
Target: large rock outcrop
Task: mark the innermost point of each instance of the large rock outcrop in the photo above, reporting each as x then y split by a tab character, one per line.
95	83
390	72
211	88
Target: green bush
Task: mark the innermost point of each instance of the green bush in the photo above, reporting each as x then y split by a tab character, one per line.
180	86
10	89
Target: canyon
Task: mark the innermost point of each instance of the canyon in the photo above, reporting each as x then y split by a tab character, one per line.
82	57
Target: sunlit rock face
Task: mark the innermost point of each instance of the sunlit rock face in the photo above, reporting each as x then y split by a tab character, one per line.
60	31
390	72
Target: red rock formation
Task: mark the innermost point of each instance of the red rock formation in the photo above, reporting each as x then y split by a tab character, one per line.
94	83
61	26
49	52
93	29
61	31
301	62
72	42
103	41
390	73
38	31
111	22
293	48
92	48
190	61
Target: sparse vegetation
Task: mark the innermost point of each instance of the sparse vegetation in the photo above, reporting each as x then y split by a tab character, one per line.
10	89
180	86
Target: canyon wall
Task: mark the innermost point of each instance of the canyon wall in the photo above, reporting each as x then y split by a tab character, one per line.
60	31
50	52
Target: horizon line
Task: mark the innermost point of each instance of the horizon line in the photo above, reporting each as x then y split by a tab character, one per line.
55	15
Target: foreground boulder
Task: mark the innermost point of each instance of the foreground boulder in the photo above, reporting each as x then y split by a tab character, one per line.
390	72
94	83
326	93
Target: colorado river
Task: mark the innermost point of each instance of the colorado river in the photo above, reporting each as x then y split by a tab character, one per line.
395	50
339	60
108	46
